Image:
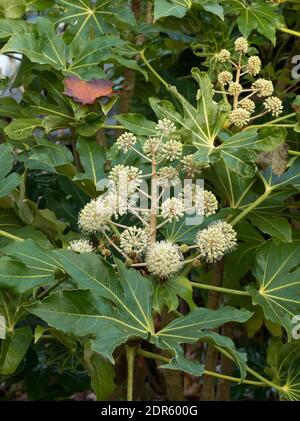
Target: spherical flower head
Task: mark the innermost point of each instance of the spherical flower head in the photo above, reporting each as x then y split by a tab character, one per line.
240	117
164	259
81	246
165	126
125	178
223	56
94	216
210	203
199	200
263	87
273	105
151	144
248	105
241	45
225	77
171	150
134	240
189	167
235	88
168	176
253	65
172	209
218	239
125	141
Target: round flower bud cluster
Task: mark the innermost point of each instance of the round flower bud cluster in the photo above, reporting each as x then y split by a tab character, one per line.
125	178
172	209
273	105
168	176
248	105
151	145
223	56
235	88
189	167
81	246
134	240
171	150
164	259
254	65
126	141
241	45
165	126
240	117
225	77
95	216
263	87
218	239
199	200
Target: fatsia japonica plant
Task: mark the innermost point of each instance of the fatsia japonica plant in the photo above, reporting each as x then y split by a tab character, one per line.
149	196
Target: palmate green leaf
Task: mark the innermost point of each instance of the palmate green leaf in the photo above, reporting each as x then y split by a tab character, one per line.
48	156
101	372
199	126
98	16
9	27
92	157
21	128
7	182
166	294
19	278
86	312
228	185
276	226
257	15
278	275
137	124
12	9
290	178
81	312
179	8
284	360
194	327
13	349
41	44
33	256
242	259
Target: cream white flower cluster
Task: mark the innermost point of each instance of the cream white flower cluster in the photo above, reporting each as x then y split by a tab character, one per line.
215	241
134	241
243	108
164	259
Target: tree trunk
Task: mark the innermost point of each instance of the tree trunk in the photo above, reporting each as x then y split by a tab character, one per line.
211	358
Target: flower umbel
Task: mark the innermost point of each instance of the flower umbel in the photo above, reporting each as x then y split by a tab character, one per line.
164	259
218	239
81	246
95	216
274	105
134	240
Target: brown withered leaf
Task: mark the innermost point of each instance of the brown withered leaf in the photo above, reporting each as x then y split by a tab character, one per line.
87	92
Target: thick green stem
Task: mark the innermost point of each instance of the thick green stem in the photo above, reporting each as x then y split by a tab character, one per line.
157	75
219	289
10	236
274	122
252	206
164	359
130	354
296	153
289	31
254	373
